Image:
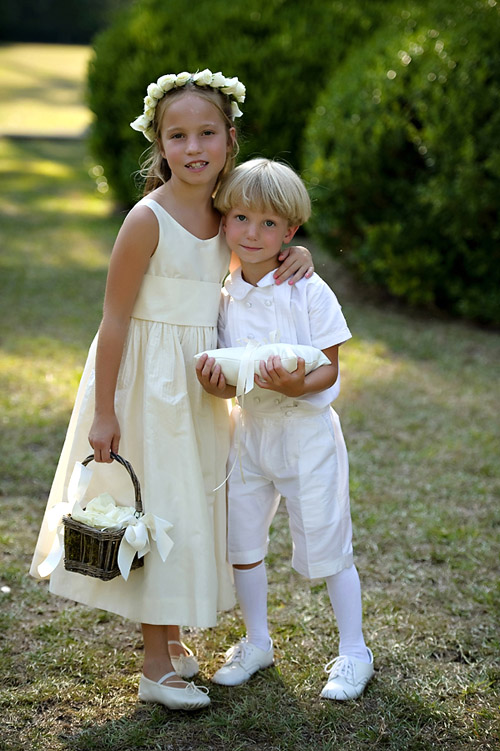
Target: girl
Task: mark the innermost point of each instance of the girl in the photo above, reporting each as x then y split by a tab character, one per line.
139	392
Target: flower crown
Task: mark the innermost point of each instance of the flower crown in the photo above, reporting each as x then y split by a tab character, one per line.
233	88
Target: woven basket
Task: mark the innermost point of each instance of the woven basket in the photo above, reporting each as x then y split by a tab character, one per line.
94	552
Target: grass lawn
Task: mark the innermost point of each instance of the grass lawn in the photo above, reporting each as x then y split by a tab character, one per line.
41	89
419	408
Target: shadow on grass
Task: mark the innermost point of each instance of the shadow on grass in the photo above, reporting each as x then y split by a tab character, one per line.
265	715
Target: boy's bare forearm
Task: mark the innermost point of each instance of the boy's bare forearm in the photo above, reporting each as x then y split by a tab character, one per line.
319	380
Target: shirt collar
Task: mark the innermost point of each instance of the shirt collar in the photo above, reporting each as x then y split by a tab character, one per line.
238	288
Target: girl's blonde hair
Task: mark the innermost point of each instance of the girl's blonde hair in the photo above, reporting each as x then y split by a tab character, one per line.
154	169
265	185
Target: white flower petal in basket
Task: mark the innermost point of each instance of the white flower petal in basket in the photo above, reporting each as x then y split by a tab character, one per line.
103	512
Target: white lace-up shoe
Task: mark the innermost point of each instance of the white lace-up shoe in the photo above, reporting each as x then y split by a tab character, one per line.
348	677
242	661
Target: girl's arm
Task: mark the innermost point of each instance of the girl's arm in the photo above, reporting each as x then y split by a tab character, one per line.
296	262
134	246
274	377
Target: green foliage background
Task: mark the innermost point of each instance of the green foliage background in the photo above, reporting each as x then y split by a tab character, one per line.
403	150
405	170
281	52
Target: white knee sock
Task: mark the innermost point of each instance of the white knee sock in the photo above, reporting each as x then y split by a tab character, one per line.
251	589
344	590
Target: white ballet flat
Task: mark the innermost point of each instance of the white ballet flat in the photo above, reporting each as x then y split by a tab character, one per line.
188	697
186	666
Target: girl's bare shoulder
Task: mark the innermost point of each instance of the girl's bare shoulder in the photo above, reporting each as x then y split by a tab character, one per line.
139	230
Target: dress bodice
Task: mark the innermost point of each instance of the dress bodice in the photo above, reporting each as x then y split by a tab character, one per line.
183	281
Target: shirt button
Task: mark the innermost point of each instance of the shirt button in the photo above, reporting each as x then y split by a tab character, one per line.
256	400
276	401
251	336
289	413
248	304
268	303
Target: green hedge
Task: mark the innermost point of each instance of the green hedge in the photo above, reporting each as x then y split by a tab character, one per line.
280	49
403	153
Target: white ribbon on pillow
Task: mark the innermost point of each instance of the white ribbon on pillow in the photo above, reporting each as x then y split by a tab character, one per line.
245	382
239	364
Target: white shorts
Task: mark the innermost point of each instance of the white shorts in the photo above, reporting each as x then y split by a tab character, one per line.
300	454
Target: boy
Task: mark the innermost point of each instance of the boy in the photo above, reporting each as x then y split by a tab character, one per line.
288	437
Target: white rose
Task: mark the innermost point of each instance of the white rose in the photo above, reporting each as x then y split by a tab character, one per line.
240	91
150	134
230	87
154	91
235	110
166	82
182	78
149	112
218	80
204	78
141	123
149	102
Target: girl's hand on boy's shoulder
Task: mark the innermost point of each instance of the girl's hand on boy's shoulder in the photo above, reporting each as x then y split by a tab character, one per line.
296	263
274	377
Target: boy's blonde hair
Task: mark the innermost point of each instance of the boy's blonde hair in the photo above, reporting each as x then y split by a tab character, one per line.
265	185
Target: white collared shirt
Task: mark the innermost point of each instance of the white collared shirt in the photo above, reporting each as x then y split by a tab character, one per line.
307	312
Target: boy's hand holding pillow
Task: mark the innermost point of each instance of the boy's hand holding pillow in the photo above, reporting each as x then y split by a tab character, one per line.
239	364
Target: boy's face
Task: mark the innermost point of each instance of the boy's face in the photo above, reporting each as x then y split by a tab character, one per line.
256	237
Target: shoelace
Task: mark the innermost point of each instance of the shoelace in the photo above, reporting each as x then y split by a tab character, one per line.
340	666
189	687
238	652
193	688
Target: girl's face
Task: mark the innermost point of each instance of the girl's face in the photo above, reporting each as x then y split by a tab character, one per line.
194	140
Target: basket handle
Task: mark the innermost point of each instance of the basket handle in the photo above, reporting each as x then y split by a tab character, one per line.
133	477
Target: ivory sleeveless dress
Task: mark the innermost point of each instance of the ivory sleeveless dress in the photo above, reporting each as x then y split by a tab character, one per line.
174	434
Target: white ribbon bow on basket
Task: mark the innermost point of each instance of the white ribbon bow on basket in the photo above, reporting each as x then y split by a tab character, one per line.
136	538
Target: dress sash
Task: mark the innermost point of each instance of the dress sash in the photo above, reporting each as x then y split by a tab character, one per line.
181	302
